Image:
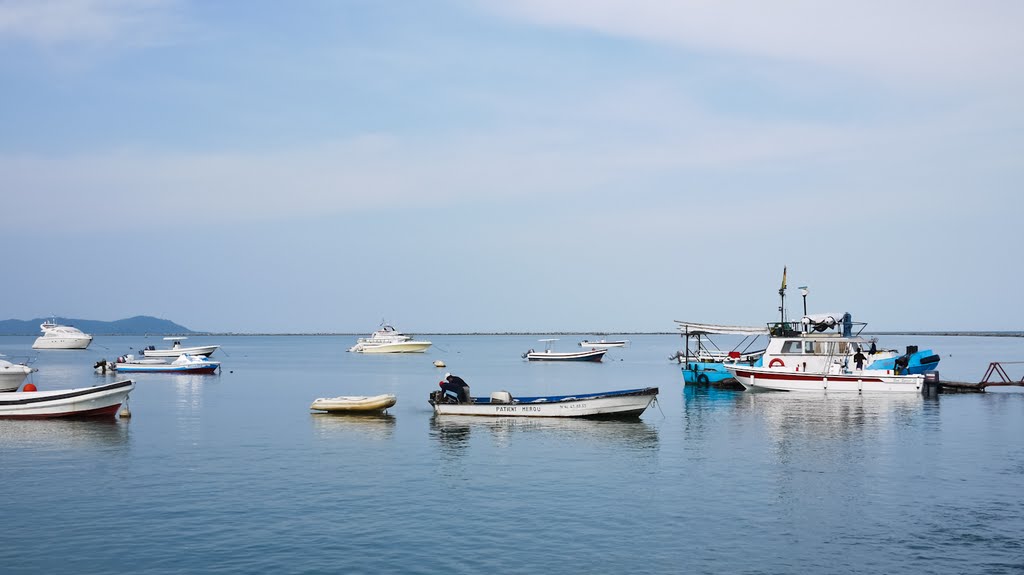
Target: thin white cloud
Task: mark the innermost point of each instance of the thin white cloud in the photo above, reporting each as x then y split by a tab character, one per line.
941	41
56	22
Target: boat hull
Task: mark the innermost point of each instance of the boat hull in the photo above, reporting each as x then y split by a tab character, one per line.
398	347
43	342
166	368
199	350
96	401
354	404
865	381
591	355
12	375
602	344
608	405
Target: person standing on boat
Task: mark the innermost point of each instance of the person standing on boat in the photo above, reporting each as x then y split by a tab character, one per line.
858	359
456	386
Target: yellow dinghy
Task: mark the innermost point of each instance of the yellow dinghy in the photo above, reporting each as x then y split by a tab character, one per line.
354	403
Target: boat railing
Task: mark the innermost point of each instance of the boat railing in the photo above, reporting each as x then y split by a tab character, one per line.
796	329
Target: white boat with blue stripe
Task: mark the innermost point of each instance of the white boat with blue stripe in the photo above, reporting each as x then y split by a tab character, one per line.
627	403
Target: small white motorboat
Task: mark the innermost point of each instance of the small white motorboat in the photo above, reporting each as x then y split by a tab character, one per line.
61	337
354	403
12	375
605	405
95	401
185	363
389	340
177	349
604	344
549	354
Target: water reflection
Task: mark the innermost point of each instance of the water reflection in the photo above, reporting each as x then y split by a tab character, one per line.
703	405
833	415
453	432
377	426
61	434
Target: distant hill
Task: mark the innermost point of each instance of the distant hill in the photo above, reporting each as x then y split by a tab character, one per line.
138	325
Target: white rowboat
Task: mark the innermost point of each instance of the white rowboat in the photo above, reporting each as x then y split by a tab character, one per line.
605	405
95	401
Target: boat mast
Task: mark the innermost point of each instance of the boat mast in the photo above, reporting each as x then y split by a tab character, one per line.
782	298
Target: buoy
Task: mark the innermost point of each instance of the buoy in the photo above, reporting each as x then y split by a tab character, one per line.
439	363
29	387
125	412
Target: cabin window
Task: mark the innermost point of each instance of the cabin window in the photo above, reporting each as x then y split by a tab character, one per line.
809	347
791	347
844	348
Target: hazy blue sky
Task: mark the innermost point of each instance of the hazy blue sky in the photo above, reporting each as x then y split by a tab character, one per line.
511	165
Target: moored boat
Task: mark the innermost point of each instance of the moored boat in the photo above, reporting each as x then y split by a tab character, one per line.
61	337
389	340
628	403
603	344
12	375
826	352
549	354
704	362
95	401
354	404
185	363
177	349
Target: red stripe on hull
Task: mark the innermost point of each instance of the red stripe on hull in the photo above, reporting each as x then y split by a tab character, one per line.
799	377
98	412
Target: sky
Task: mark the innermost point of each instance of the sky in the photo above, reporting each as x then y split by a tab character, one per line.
512	165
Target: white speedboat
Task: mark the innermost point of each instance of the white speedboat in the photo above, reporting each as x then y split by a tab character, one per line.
606	405
549	354
389	340
603	344
185	363
95	401
177	349
61	337
12	375
354	403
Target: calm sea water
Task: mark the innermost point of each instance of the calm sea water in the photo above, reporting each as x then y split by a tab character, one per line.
232	473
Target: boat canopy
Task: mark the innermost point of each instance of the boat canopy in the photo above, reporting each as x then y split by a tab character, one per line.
174	338
710	328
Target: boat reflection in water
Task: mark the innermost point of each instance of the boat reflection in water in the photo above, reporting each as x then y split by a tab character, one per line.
333	426
453	432
63	434
816	415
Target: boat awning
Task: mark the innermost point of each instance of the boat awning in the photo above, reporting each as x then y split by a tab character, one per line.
707	328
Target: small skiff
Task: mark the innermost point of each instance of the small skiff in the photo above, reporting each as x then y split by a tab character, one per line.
95	401
354	403
604	344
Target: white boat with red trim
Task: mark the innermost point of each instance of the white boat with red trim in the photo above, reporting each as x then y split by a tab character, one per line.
95	401
627	403
549	353
857	381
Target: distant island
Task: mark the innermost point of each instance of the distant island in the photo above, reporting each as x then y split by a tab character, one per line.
138	325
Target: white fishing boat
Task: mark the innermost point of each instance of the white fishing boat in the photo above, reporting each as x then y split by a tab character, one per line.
12	375
61	337
825	352
389	340
354	403
610	404
177	349
95	401
549	353
603	344
185	363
